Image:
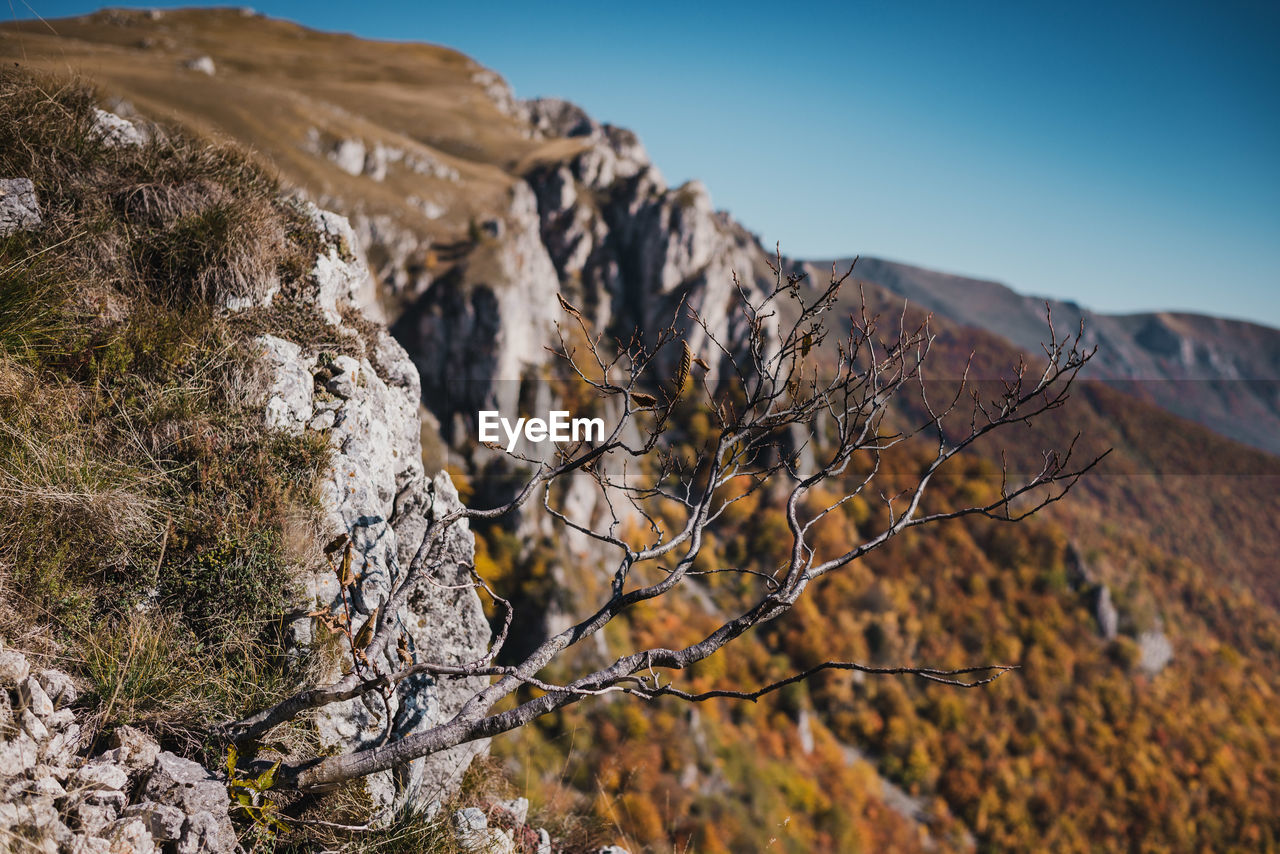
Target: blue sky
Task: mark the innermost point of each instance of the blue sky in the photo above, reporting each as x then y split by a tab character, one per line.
1125	155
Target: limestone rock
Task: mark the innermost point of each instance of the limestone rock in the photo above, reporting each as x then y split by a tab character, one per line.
344	377
349	156
131	836
375	163
18	754
63	746
133	749
340	275
163	822
32	696
289	393
92	818
639	247
206	833
59	687
19	209
100	777
1156	651
470	827
475	338
518	808
499	92
428	208
378	493
1105	611
50	797
115	131
181	783
472	832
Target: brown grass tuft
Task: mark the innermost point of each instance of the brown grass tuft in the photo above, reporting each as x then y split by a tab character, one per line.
151	531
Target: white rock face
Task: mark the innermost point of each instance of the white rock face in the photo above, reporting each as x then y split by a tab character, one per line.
636	255
1155	650
378	494
1106	613
349	156
473	341
529	309
341	275
289	396
19	209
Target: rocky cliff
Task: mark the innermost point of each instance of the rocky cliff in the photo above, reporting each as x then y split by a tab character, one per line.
365	402
474	211
320	373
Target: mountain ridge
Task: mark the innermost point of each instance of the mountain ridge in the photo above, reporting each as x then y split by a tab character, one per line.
1220	372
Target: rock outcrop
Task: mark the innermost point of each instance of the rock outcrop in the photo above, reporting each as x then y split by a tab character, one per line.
477	334
19	208
115	131
365	400
201	64
629	248
1155	651
133	797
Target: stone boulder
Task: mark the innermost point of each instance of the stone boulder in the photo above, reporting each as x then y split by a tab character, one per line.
115	131
19	209
201	64
1155	651
202	798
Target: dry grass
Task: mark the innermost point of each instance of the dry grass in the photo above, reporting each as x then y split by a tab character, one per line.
56	475
269	93
338	821
134	471
149	669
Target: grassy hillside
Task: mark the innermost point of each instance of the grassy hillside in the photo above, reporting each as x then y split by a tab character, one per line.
278	83
150	529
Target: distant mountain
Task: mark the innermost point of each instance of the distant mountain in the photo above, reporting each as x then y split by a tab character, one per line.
1222	373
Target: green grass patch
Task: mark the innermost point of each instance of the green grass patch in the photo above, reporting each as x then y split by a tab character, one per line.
151	530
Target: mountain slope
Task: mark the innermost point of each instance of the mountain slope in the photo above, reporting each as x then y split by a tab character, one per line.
1223	373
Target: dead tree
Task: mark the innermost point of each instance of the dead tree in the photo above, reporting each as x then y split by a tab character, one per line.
788	370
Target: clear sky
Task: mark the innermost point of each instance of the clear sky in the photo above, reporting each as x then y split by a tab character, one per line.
1125	155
